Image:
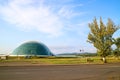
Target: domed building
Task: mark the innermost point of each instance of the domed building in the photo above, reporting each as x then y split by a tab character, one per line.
32	48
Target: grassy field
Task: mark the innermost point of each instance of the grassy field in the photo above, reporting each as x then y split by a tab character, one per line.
58	60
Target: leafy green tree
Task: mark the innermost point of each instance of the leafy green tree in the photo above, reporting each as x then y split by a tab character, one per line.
117	42
116	52
101	36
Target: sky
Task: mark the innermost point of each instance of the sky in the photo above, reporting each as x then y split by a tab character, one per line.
62	25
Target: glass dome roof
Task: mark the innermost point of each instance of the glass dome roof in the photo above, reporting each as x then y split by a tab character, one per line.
32	48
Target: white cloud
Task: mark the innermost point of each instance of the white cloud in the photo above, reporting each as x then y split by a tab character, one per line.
27	16
64	49
67	11
37	15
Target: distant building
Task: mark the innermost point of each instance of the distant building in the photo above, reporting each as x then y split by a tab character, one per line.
32	48
3	57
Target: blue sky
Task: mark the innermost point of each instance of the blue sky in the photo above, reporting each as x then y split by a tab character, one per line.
60	24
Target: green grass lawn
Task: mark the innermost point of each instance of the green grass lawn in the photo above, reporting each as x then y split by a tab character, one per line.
63	61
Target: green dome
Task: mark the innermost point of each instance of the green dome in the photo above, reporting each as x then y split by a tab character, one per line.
32	49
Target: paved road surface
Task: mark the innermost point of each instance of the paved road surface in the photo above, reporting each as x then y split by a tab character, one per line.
61	72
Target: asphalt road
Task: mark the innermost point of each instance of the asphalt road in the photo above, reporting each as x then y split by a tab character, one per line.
61	72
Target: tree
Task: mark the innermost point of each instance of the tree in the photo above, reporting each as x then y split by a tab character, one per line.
116	52
101	37
117	42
